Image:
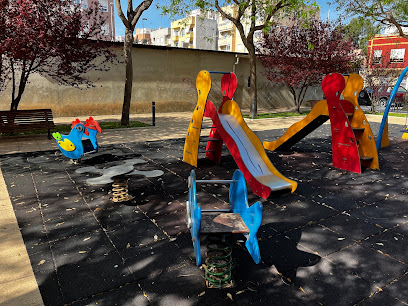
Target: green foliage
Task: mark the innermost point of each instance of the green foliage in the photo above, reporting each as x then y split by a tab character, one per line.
386	12
361	30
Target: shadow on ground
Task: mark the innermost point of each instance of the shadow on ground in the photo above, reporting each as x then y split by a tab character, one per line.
339	239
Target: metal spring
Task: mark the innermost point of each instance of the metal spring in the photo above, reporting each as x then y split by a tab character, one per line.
219	262
120	191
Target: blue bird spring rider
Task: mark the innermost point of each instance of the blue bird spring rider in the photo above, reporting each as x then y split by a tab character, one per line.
80	141
239	218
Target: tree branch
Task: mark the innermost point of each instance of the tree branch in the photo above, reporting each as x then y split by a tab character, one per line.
139	10
277	7
235	21
121	15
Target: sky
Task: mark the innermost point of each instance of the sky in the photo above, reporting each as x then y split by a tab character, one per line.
154	19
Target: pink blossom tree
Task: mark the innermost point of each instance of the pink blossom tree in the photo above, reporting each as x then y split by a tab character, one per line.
53	38
300	55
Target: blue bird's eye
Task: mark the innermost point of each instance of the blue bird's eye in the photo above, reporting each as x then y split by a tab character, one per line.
80	128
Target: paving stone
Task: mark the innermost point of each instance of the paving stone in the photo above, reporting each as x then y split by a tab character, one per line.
368	264
66	227
127	295
157	205
401	228
399	289
272	291
81	247
381	298
51	293
318	239
134	234
284	254
391	244
92	276
150	261
42	259
332	284
298	213
383	213
176	287
173	224
351	227
184	243
245	271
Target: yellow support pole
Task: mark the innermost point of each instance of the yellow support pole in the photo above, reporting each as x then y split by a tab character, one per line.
203	85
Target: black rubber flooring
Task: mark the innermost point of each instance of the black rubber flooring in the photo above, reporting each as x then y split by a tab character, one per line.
340	239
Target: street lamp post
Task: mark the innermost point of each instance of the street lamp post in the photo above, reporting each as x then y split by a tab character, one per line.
112	13
328	14
143	19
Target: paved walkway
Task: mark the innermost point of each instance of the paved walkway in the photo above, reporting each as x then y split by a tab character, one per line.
17	283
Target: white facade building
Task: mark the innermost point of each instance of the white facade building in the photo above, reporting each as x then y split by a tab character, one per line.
161	37
195	31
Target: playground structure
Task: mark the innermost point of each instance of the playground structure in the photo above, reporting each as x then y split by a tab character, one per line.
353	143
229	127
219	223
81	140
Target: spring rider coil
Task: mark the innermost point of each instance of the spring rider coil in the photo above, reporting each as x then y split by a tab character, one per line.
220	224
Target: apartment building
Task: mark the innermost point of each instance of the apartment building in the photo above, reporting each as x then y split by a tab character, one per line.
198	31
143	36
229	38
161	37
107	7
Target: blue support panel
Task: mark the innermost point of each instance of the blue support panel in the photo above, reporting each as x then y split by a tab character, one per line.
238	200
252	216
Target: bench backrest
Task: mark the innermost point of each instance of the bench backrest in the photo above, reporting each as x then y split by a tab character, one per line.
22	117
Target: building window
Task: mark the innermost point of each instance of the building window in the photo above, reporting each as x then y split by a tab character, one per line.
105	29
397	55
103	5
227	47
82	2
176	44
377	56
182	32
162	40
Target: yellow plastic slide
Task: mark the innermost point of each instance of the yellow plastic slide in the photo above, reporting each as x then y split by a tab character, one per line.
317	116
250	149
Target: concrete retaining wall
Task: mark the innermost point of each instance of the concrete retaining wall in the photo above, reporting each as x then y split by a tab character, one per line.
162	74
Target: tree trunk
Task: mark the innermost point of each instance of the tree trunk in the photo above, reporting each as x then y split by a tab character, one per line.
128	45
253	93
15	101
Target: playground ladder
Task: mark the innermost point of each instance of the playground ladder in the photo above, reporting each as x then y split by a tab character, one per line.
214	141
353	143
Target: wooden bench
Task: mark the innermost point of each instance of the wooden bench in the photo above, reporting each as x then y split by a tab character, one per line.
26	120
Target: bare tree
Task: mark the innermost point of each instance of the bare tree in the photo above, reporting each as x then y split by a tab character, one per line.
133	16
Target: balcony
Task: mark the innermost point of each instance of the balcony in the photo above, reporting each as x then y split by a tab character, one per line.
225	26
175	38
189	36
183	23
225	41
